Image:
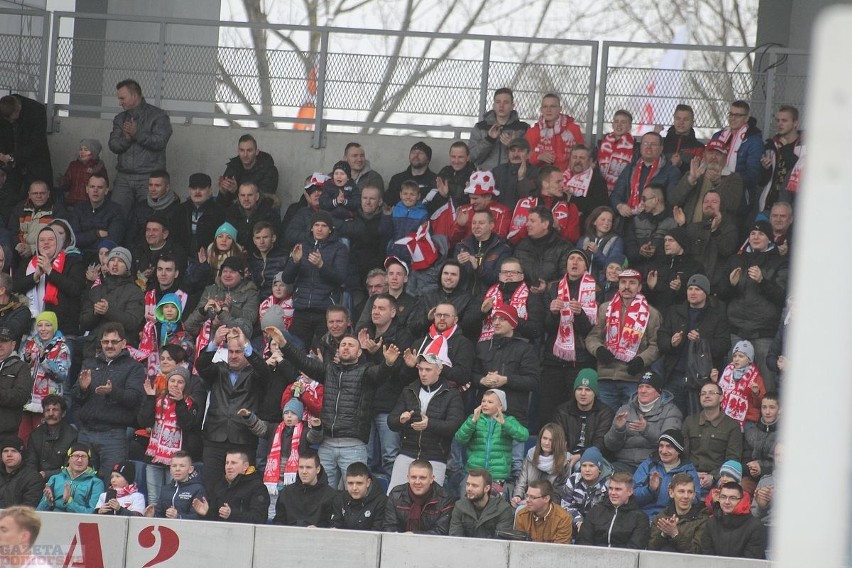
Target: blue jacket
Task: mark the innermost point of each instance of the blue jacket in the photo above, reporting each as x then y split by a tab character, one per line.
318	288
87	221
86	488
748	157
180	496
652	502
667	175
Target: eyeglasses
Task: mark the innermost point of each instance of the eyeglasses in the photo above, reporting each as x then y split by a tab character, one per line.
730	498
649	198
444	316
730	114
111	341
511	272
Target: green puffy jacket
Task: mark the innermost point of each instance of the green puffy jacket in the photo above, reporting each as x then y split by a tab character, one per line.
489	443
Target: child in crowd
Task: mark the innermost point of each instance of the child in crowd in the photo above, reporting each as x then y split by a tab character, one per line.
489	433
122	497
340	195
176	499
282	295
166	329
759	441
609	286
79	171
404	219
548	459
742	385
731	470
587	487
50	359
95	271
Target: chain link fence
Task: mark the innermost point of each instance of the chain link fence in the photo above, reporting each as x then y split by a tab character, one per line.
23	36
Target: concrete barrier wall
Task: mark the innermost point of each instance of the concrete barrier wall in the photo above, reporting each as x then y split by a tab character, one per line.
96	541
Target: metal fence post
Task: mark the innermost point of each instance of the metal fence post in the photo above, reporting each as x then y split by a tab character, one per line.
590	107
768	111
316	142
161	65
604	68
51	54
483	82
44	67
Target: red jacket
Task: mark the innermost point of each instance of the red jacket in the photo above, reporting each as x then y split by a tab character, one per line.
565	214
77	176
561	150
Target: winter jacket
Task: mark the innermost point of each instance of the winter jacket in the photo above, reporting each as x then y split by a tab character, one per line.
388	392
690	528
642	229
460	351
330	193
26	140
670	268
146	151
519	362
531	472
180	496
689	196
405	305
578	498
366	247
467	309
651	501
630	447
713	249
189	418
367	514
47	451
301	505
49	364
591	431
489	443
126	306
735	535
131	505
467	521
426	181
85	490
748	157
530	328
87	221
16	315
208	218
263	174
26	220
510	187
318	288
582	327
246	495
554	527
222	423
486	152
22	486
491	254
711	322
267	209
70	283
445	412
16	387
686	146
544	258
434	516
765	514
610	249
754	309
401	222
620	527
369	176
169	210
348	392
667	175
243	306
264	269
648	351
561	148
760	440
117	410
708	444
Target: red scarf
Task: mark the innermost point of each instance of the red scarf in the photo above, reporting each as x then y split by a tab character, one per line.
564	346
560	128
51	292
614	155
517	301
577	184
733	140
438	346
272	471
737	396
166	435
624	340
129	489
634	200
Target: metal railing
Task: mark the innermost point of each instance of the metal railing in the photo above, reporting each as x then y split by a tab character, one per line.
23	55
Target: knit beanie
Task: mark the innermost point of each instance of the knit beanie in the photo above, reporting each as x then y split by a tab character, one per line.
12	442
93	145
343	165
125	469
274	317
732	468
227	229
49	317
746	348
322	217
587	378
501	396
295	406
180	371
674	437
593	455
653	379
121	254
701	281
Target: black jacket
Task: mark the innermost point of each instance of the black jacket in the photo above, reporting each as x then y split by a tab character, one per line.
264	174
531	328
388	391
188	420
754	309
445	412
301	505
544	258
669	268
87	221
172	214
624	527
267	209
126	306
366	246
16	385
17	317
739	536
459	350
426	181
467	309
26	141
71	284
247	497
23	486
47	451
318	288
367	514
492	252
517	360
582	327
212	215
118	409
712	326
434	517
598	422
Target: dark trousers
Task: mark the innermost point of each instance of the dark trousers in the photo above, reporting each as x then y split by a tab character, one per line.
555	386
309	326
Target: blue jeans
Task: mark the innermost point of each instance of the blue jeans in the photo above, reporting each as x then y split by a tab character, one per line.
383	441
616	394
156	477
110	447
335	460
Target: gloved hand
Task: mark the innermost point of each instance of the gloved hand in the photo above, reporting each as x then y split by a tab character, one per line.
604	356
635	366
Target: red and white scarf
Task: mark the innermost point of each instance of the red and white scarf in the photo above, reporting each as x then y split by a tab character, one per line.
286	304
45	360
623	340
733	140
564	346
44	292
166	435
272	473
517	301
634	200
439	345
560	128
737	394
149	350
577	184
614	155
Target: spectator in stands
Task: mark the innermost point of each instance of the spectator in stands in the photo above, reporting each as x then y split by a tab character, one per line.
14	312
139	136
76	178
362	174
376	283
548	459
444	338
741	384
542	519
340	197
20	483
553	135
453	178
601	242
49	358
338	325
587	487
250	165
178	498
701	318
706	173
669	273
203	214
514	291
618	149
643	238
482	192
481	253
764	496
583	182
453	290
616	521
298	219
731	533
760	439
543	252
653	477
680	146
17	384
624	340
30	216
76	488
420	506
97	217
405	218
210	261
24	130
781	163
427	414
238	383
679	527
640	422
361	505
366	249
250	208
232	300
551	195
49	443
516	178
238	497
481	512
743	141
781	220
710	438
159	242
418	171
267	258
491	137
122	497
584	419
162	202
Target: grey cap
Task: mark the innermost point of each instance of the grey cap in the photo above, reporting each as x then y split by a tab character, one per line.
123	255
701	281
